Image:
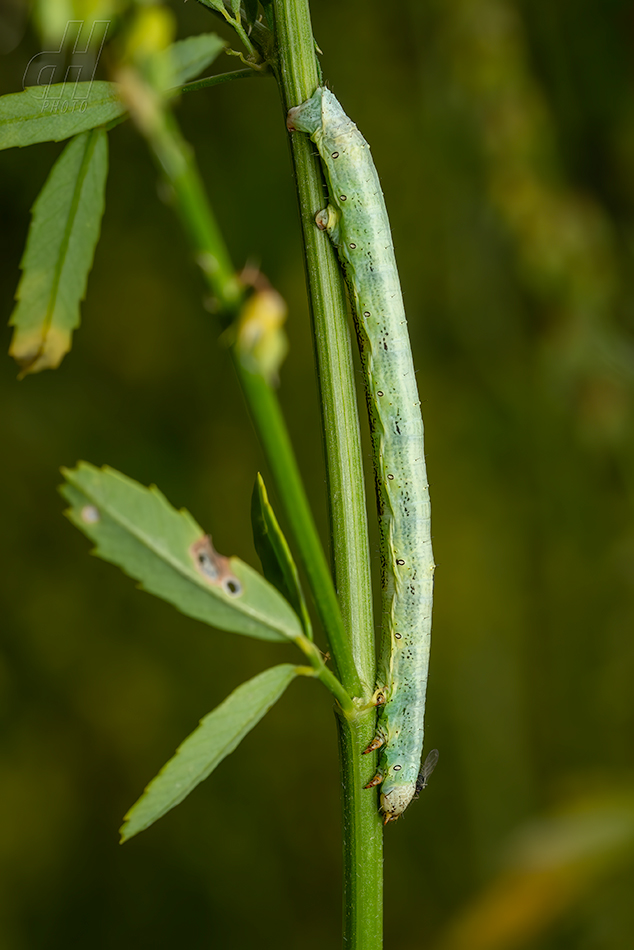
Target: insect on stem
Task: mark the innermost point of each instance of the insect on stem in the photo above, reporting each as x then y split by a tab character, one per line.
355	220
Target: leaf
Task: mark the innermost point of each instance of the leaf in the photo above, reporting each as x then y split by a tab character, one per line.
216	5
168	553
51	113
251	11
59	254
190	56
274	553
218	734
223	8
56	112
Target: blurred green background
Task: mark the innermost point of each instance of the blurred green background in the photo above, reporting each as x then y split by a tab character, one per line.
504	135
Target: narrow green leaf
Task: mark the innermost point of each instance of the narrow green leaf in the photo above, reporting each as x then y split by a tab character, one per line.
251	11
218	734
219	78
190	56
169	554
275	554
53	113
59	253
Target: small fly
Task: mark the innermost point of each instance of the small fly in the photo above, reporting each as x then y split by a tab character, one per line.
429	765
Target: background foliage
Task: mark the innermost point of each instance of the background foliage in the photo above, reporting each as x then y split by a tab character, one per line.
504	135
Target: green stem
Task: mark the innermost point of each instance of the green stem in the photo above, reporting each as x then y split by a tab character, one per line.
297	73
330	681
237	25
221	78
177	162
179	167
233	22
296	69
271	428
362	835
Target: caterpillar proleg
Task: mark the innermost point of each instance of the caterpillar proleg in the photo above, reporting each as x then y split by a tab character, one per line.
356	221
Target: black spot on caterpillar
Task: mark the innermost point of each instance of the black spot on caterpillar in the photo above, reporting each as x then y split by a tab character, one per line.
399	461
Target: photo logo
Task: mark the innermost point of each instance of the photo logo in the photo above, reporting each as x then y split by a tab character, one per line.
65	75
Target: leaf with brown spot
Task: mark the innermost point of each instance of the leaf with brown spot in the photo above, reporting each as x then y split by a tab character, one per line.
168	553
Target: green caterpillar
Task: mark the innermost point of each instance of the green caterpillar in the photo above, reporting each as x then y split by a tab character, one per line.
356	221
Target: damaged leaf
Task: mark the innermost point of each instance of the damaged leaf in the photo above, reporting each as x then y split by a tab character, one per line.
170	555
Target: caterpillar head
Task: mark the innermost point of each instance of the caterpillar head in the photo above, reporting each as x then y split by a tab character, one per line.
321	112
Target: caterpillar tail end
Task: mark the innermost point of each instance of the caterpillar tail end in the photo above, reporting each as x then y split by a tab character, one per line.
394	801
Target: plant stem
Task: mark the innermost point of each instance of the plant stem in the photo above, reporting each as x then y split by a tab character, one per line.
297	74
233	21
269	424
362	835
296	69
178	164
330	681
221	78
